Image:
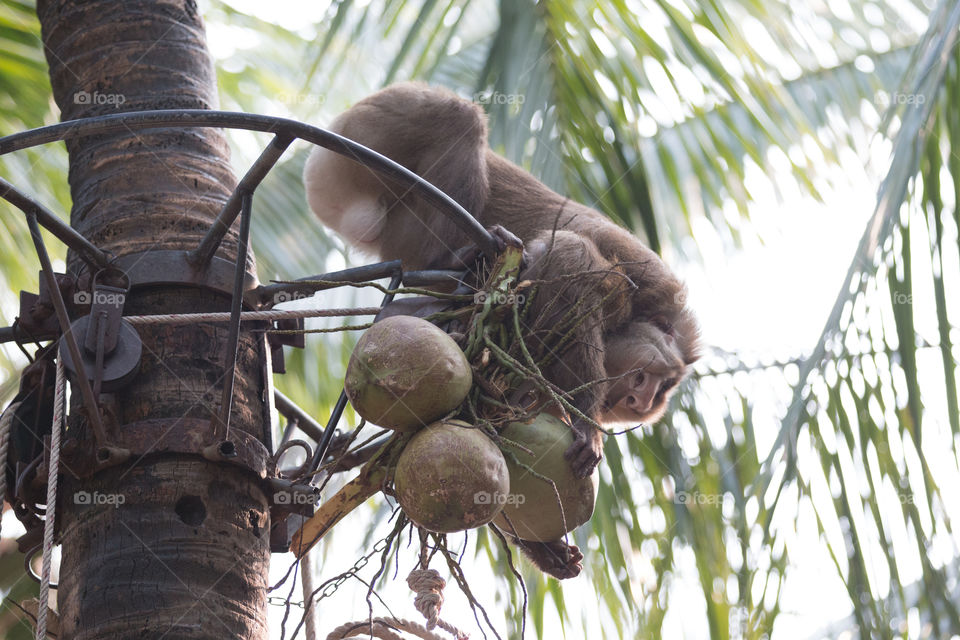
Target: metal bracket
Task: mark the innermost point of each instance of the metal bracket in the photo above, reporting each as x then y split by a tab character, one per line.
111	346
291	505
107	370
37	319
174	268
182	435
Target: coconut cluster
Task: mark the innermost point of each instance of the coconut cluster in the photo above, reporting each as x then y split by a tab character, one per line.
408	375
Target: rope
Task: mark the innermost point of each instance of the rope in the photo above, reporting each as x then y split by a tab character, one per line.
384	628
49	520
6	421
250	316
428	586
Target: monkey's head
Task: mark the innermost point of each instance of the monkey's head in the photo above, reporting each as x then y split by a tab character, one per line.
648	359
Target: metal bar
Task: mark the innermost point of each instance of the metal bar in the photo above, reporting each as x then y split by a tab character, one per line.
365	273
287	434
9	334
291	412
394	284
236	306
89	400
64	232
124	122
248	184
324	443
429	277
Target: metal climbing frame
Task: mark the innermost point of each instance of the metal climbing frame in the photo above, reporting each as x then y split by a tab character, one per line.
199	267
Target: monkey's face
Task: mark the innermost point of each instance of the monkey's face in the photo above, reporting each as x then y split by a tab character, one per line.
648	363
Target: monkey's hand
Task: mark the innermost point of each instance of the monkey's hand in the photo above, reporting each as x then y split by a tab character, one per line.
504	237
557	558
469	255
587	449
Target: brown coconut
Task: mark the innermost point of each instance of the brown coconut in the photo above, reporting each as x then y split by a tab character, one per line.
451	477
532	508
405	373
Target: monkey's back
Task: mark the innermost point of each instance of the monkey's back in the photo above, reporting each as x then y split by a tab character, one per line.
521	203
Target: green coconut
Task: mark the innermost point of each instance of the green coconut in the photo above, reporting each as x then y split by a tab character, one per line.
532	507
405	373
451	477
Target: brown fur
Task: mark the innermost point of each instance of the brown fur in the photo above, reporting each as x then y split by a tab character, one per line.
637	328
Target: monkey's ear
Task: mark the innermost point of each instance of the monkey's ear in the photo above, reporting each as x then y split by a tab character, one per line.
687	332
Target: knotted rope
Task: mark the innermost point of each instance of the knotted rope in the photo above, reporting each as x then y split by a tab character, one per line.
428	586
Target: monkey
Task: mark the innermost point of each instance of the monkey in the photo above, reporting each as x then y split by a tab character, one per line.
639	337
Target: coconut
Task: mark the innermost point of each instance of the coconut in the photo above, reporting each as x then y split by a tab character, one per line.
532	508
405	373
451	477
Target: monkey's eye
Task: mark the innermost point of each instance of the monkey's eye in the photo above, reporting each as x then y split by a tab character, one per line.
667	386
640	379
660	322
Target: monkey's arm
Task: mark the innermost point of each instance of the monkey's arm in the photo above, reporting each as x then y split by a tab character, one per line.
587	449
555	558
566	321
468	257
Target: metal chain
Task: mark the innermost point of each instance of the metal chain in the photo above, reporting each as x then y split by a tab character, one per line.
331	588
280	601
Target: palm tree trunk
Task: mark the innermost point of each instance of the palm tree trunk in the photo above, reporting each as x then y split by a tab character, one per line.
186	553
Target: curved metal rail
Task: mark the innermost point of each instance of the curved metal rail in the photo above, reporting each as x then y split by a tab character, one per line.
283	128
285	132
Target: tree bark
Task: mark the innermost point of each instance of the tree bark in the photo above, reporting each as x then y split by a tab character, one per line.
186	553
